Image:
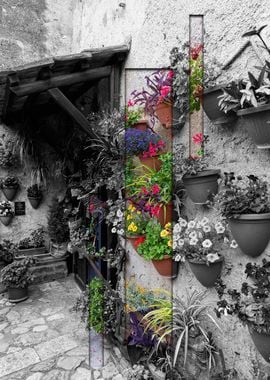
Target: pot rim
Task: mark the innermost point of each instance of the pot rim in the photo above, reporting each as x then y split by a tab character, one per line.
203	173
10	187
213	89
134	236
248	111
221	259
165	257
263	216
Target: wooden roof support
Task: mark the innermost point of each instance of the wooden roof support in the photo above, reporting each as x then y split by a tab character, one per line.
61	81
73	111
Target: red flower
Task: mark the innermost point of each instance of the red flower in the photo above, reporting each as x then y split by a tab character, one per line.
139	241
144	190
198	138
165	90
155	189
130	103
91	208
152	149
155	210
195	51
170	74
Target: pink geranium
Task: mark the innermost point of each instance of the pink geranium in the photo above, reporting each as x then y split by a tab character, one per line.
155	189
170	74
155	210
130	103
198	138
164	91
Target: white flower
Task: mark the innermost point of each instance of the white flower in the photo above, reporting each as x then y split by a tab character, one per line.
113	230
182	222
206	229
220	230
218	225
181	242
193	241
177	228
174	245
115	223
191	224
207	243
204	221
212	257
233	244
121	232
119	213
177	258
193	235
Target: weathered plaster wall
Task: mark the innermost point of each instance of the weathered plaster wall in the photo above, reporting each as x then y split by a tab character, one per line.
154	27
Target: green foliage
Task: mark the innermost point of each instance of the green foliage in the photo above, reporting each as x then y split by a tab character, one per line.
10	182
7	156
132	116
18	274
164	177
34	191
7	251
96	305
155	246
57	223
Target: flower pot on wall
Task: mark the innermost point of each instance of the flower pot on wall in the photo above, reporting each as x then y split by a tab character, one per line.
10	192
165	214
151	162
207	275
212	110
251	232
35	202
256	121
164	112
133	240
17	294
262	343
166	267
141	125
6	220
203	186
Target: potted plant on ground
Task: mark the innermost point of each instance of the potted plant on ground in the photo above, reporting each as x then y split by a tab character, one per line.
200	242
33	245
34	195
251	305
133	117
16	277
136	222
244	202
10	187
147	145
200	182
157	247
6	212
157	99
58	229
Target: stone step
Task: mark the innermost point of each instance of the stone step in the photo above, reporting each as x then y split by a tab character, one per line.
49	269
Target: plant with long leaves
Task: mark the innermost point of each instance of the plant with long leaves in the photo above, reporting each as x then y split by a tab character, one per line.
183	320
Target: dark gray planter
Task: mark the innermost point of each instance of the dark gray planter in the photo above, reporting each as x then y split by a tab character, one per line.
10	192
262	343
17	294
212	110
251	232
207	275
202	186
256	121
35	202
6	220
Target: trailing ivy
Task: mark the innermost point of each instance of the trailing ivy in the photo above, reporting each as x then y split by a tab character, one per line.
96	305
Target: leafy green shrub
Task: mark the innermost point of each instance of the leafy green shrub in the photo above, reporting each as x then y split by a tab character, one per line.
96	305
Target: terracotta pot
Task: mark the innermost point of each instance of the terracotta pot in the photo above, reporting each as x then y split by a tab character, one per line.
141	125
251	232
164	112
6	220
212	110
35	202
10	192
207	275
203	186
17	294
166	267
132	240
256	121
151	162
262	343
166	214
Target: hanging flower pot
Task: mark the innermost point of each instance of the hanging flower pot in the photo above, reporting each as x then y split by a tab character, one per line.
207	275
151	162
256	121
165	214
202	186
6	219
141	125
164	114
262	343
251	232
17	294
212	109
135	240
35	202
10	192
34	195
166	267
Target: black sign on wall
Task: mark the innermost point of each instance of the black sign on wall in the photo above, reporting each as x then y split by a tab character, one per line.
19	208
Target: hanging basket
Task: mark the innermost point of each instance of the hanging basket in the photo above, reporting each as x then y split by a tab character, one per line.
166	267
35	202
251	232
132	240
10	192
203	186
164	112
262	343
6	220
207	275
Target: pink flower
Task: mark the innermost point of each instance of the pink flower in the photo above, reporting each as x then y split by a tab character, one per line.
155	189
161	144
130	103
91	208
152	149
195	51
165	90
155	210
144	190
198	138
170	74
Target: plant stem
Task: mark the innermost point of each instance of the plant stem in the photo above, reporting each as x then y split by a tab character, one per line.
265	45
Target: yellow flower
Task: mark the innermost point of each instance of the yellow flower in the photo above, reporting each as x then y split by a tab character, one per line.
170	243
130	227
130	207
164	233
129	217
135	228
168	226
139	212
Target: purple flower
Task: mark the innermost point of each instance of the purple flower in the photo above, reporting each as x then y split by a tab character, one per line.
138	141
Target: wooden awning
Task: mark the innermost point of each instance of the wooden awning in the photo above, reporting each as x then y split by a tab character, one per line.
59	78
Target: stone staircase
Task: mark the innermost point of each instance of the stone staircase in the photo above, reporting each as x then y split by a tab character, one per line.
48	268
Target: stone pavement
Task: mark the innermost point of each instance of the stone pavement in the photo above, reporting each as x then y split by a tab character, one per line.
42	339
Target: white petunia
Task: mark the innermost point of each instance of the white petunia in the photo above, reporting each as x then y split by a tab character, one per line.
206	229
204	221
182	222
191	224
193	235
220	230
119	213
121	232
218	225
177	228
178	258
113	230
233	244
193	241
174	245
212	257
181	242
207	243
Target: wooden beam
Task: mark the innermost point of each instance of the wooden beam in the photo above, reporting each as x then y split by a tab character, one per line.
12	80
73	111
61	81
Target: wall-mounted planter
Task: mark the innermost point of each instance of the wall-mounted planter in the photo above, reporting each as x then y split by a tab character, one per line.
6	220
165	214
151	162
141	125
166	267
203	186
10	192
212	110
17	294
207	275
35	202
132	240
164	112
256	121
262	343
251	232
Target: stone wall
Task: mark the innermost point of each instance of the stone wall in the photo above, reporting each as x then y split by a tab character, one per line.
154	27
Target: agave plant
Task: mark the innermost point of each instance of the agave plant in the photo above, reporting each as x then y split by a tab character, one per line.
182	320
